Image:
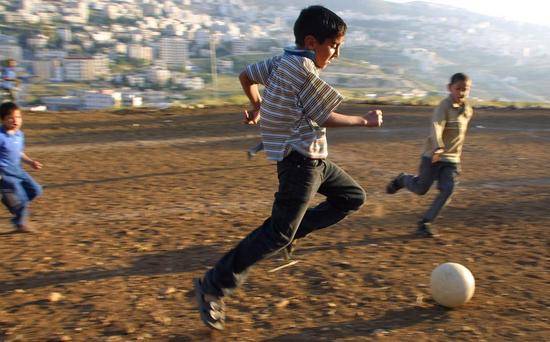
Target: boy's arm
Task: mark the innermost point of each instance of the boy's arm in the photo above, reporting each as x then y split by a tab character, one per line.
35	164
439	120
372	119
251	91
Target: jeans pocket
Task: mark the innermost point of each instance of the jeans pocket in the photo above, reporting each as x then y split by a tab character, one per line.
298	181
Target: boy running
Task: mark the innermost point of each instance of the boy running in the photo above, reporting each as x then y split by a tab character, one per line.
441	157
293	113
17	186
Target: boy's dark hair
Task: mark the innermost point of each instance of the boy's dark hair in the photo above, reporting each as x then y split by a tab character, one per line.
459	77
319	22
7	108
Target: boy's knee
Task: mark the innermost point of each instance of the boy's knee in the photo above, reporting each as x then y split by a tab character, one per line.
421	189
352	201
280	236
11	201
446	188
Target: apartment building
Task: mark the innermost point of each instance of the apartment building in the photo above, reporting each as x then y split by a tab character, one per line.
174	52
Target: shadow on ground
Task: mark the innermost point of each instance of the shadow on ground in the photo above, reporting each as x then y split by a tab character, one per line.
389	321
178	261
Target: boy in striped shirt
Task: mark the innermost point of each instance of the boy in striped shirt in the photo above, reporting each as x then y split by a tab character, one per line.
294	112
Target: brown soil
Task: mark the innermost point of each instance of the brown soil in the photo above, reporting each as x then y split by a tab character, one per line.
138	203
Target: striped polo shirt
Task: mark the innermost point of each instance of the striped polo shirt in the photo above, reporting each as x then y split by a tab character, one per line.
296	103
448	130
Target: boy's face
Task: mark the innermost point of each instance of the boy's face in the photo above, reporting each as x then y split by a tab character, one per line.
13	121
460	90
326	51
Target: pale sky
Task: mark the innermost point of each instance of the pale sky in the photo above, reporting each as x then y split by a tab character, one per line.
534	11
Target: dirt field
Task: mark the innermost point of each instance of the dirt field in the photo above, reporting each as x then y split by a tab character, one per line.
136	204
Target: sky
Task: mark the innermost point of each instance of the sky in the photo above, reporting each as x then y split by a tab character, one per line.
533	11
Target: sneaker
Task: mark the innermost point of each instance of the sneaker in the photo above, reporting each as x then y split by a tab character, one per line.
425	229
24	228
288	251
394	185
212	308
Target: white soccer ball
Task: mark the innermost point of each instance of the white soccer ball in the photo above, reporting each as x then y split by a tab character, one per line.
452	284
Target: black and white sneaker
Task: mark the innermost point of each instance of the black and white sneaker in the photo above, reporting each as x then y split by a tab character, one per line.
425	229
212	309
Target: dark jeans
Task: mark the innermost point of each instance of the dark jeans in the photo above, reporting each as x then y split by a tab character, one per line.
299	179
17	192
444	172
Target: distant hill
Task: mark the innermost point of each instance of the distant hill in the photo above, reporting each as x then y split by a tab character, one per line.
422	44
373	7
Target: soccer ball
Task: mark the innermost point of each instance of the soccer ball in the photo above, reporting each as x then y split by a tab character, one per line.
452	284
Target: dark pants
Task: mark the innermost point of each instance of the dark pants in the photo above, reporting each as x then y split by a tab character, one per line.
300	178
444	172
17	192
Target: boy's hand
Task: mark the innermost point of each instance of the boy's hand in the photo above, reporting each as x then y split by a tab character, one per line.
437	155
35	164
251	117
374	118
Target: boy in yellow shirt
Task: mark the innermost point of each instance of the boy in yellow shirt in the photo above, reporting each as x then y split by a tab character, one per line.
441	157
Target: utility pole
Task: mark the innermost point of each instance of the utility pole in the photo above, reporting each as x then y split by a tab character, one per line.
213	65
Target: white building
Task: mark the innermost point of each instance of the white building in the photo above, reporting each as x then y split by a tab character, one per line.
57	71
201	37
11	51
136	51
76	12
50	54
225	66
193	83
102	36
65	34
239	46
112	11
81	69
61	102
121	48
132	100
43	69
152	9
158	75
37	42
101	100
174	51
101	65
136	80
28	5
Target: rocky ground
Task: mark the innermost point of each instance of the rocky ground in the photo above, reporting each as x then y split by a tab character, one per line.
137	203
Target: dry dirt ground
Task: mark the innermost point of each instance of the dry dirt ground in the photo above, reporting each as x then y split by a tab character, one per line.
138	203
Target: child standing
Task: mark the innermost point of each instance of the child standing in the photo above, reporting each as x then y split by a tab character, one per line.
296	107
441	157
17	186
10	82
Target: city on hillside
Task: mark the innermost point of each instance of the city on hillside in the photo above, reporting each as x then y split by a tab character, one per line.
79	54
